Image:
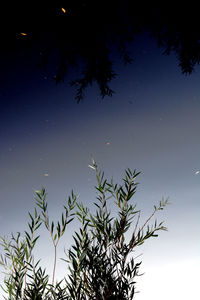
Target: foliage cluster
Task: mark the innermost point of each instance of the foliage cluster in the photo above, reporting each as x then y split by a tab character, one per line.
100	264
88	34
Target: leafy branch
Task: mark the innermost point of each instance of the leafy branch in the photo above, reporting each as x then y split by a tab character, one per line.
66	218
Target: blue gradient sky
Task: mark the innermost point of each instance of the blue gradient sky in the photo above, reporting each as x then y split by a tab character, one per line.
152	124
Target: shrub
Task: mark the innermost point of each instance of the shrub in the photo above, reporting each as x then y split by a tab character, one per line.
100	262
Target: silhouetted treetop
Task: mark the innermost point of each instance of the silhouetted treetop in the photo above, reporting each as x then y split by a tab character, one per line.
87	34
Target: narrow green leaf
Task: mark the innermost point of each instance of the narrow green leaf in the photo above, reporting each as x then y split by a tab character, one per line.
52	227
70	220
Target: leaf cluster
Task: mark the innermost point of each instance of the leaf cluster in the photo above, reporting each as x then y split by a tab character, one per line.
66	217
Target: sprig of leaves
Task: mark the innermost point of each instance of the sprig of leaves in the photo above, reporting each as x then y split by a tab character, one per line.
66	218
18	254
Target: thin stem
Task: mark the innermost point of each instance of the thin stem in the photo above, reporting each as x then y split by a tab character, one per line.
136	223
54	267
133	240
25	282
147	220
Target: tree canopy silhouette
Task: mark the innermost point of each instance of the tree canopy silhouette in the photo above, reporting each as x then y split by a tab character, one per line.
87	34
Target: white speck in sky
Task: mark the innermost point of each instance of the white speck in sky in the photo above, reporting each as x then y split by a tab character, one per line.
197	172
108	143
46	174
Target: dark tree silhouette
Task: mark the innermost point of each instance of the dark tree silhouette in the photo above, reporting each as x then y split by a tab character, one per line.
87	34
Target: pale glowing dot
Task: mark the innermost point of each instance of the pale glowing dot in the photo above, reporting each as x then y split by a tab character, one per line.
107	143
46	174
197	172
63	10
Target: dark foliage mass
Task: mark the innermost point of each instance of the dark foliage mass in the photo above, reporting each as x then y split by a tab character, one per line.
89	33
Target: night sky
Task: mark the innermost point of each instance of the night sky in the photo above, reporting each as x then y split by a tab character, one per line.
151	124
